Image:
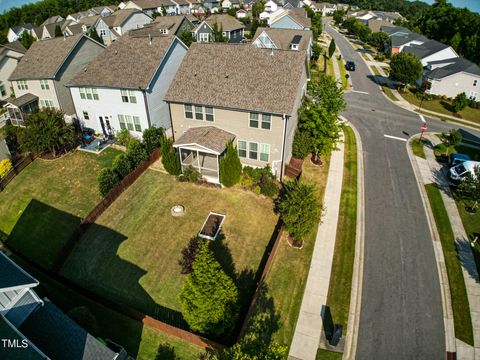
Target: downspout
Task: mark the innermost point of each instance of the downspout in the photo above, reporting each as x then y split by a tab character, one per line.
284	117
144	92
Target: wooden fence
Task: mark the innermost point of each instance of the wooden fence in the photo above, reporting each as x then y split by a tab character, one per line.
15	170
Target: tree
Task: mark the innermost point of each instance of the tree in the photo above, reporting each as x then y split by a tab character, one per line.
217	33
460	102
302	144
257	8
338	17
469	189
136	153
170	159
107	180
122	165
331	48
94	35
379	40
58	31
153	138
299	208
451	139
26	39
230	166
363	32
456	41
189	253
186	37
209	297
316	51
405	68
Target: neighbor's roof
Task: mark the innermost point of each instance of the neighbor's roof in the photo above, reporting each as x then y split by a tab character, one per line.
209	137
28	26
16	353
402	39
15	46
170	22
282	38
222	75
23	100
393	29
453	66
89	20
52	20
130	62
376	24
59	337
44	58
297	14
428	48
13	276
151	4
120	16
225	21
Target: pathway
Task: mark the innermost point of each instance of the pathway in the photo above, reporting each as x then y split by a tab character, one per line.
309	324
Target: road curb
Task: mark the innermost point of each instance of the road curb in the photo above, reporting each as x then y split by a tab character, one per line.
357	280
450	344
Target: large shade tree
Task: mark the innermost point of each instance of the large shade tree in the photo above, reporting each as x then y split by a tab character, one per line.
405	68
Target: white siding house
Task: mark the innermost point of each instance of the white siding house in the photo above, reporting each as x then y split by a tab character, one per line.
111	27
10	55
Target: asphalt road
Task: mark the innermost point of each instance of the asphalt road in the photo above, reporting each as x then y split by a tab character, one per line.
401	311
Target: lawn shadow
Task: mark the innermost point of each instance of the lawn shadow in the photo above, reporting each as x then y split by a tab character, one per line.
381	80
166	352
447	106
467	258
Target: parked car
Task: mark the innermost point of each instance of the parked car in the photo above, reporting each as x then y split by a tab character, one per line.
458	172
350	66
456	159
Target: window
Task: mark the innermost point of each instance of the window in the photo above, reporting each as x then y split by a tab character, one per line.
254	120
198	112
266	121
242	148
128	96
474	82
264	152
88	93
208	113
22	85
82	93
202	37
46	104
85	116
2	90
253	150
188	111
102	32
44	85
121	120
131	123
136	123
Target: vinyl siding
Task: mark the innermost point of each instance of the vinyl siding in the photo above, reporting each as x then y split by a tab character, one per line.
453	85
286	22
7	65
35	88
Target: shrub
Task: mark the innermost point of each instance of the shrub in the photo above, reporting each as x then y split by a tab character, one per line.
124	137
380	57
136	153
460	102
189	174
302	144
451	139
473	104
122	165
5	166
153	138
230	166
268	186
107	180
189	253
170	159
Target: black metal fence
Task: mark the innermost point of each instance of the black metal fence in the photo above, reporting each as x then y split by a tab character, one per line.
15	170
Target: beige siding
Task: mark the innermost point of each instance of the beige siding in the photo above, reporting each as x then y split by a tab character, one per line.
453	85
35	88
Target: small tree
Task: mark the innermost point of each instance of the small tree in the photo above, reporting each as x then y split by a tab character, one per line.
257	8
379	40
338	17
124	137
107	180
299	208
405	68
460	102
469	190
316	51
189	253
302	144
186	37
58	31
136	153
94	35
217	33
26	39
451	139
122	165
209	297
153	137
230	166
170	159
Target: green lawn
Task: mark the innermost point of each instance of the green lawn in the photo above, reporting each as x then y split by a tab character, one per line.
375	70
343	73
417	148
135	246
331	69
44	203
288	275
328	355
342	266
461	309
389	93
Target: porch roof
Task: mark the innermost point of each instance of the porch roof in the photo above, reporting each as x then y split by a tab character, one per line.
209	137
23	100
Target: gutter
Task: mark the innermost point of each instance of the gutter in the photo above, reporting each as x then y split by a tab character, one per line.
144	92
282	158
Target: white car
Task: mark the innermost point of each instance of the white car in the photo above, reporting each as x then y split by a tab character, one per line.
459	171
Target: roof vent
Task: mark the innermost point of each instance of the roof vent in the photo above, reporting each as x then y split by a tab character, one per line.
149	39
226	76
85	69
116	51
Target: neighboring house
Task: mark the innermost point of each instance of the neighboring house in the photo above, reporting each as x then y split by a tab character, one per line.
291	4
15	32
166	25
217	96
89	23
111	27
124	87
365	15
264	15
10	55
401	37
284	39
50	64
231	28
270	6
248	4
53	20
290	19
39	328
451	77
227	4
151	7
376	24
430	50
323	8
241	14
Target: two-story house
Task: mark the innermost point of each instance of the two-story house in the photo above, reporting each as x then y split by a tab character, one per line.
151	7
169	25
232	29
111	27
124	87
50	64
431	50
10	55
284	39
218	96
15	32
290	19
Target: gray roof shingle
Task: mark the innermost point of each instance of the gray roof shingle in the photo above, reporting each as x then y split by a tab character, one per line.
240	77
282	38
23	100
12	276
225	21
119	17
16	353
15	46
209	137
453	66
428	48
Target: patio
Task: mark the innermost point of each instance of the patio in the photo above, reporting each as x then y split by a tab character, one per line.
96	146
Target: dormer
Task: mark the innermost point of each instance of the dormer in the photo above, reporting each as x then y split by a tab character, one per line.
295	43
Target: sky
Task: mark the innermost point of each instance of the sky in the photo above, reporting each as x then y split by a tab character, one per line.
473	5
7	4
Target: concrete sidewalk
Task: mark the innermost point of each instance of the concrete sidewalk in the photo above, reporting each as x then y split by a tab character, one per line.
309	324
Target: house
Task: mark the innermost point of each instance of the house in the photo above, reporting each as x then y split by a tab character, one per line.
89	22
248	4
430	50
241	14
151	7
111	27
15	32
365	15
167	25
39	328
376	24
284	39
53	20
50	64
218	96
231	28
114	93
265	15
290	4
401	37
290	19
227	4
10	55
271	6
450	77
323	8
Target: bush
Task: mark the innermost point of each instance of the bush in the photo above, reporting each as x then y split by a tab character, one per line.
122	165
189	174
153	138
5	166
189	253
124	137
107	180
302	144
268	186
460	102
473	104
136	153
380	57
170	159
230	166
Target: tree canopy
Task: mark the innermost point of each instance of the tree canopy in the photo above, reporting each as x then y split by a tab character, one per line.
405	68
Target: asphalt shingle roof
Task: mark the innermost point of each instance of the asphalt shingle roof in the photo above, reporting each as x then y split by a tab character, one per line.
282	38
428	48
119	17
299	15
16	353
210	137
15	46
152	4
12	276
23	100
226	22
239	77
454	66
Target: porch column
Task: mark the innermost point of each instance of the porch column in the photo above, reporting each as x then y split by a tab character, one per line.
180	154
218	170
198	162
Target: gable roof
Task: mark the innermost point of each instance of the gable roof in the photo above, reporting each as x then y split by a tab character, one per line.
13	276
172	23
453	66
89	20
15	46
209	137
282	38
399	39
19	28
130	62
225	21
428	48
211	72
119	17
152	4
299	15
52	20
44	58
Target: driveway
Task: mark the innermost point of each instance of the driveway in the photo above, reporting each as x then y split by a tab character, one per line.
401	311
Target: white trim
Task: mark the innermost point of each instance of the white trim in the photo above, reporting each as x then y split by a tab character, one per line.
187	147
18	287
218	230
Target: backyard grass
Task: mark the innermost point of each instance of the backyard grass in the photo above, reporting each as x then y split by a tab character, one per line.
342	267
417	148
461	309
135	246
44	203
328	355
287	277
343	73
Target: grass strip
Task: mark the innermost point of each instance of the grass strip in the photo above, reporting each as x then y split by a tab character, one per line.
417	148
343	73
328	355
